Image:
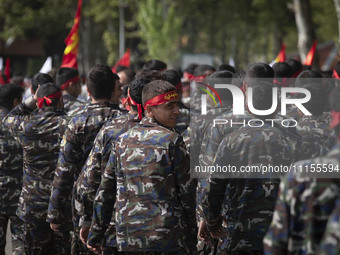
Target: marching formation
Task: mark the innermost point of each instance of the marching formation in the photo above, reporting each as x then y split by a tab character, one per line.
155	161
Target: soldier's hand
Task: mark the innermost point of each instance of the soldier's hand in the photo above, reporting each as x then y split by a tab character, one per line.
84	232
36	92
218	233
96	249
55	227
203	233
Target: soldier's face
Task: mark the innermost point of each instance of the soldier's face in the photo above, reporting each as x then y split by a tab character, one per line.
117	92
166	114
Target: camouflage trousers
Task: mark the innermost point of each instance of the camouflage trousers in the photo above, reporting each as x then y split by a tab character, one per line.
40	239
17	231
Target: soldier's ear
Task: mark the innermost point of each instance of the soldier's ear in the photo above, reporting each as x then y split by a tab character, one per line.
148	111
16	102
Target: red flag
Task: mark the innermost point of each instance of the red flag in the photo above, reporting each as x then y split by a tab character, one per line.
310	55
3	79
281	57
124	61
8	70
72	41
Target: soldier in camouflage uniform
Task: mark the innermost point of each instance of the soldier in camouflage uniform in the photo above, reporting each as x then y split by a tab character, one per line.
247	203
330	243
316	135
155	209
68	80
76	145
305	202
39	133
99	155
11	163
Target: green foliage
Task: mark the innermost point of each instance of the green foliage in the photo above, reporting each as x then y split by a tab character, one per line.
247	30
160	29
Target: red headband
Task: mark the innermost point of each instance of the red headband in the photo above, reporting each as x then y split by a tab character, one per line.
296	74
125	103
198	78
335	74
283	83
139	106
335	119
188	76
162	99
47	99
67	83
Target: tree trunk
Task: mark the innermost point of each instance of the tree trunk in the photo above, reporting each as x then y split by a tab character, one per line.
306	34
337	9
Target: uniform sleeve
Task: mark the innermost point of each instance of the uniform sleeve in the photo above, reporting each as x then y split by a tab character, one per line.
94	167
276	239
68	162
214	192
104	202
186	186
14	120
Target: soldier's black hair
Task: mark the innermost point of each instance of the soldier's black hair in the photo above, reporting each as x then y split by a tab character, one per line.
308	76
226	67
151	75
262	95
8	93
156	88
130	74
318	101
221	77
136	88
64	74
101	81
282	70
171	76
40	78
296	65
201	69
154	64
48	89
191	68
238	78
257	71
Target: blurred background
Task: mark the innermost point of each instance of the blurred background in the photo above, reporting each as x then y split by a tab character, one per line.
177	32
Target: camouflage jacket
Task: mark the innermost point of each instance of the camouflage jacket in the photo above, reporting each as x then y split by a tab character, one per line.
302	209
247	203
74	150
39	134
183	120
316	135
11	165
330	243
155	209
214	136
97	160
71	104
